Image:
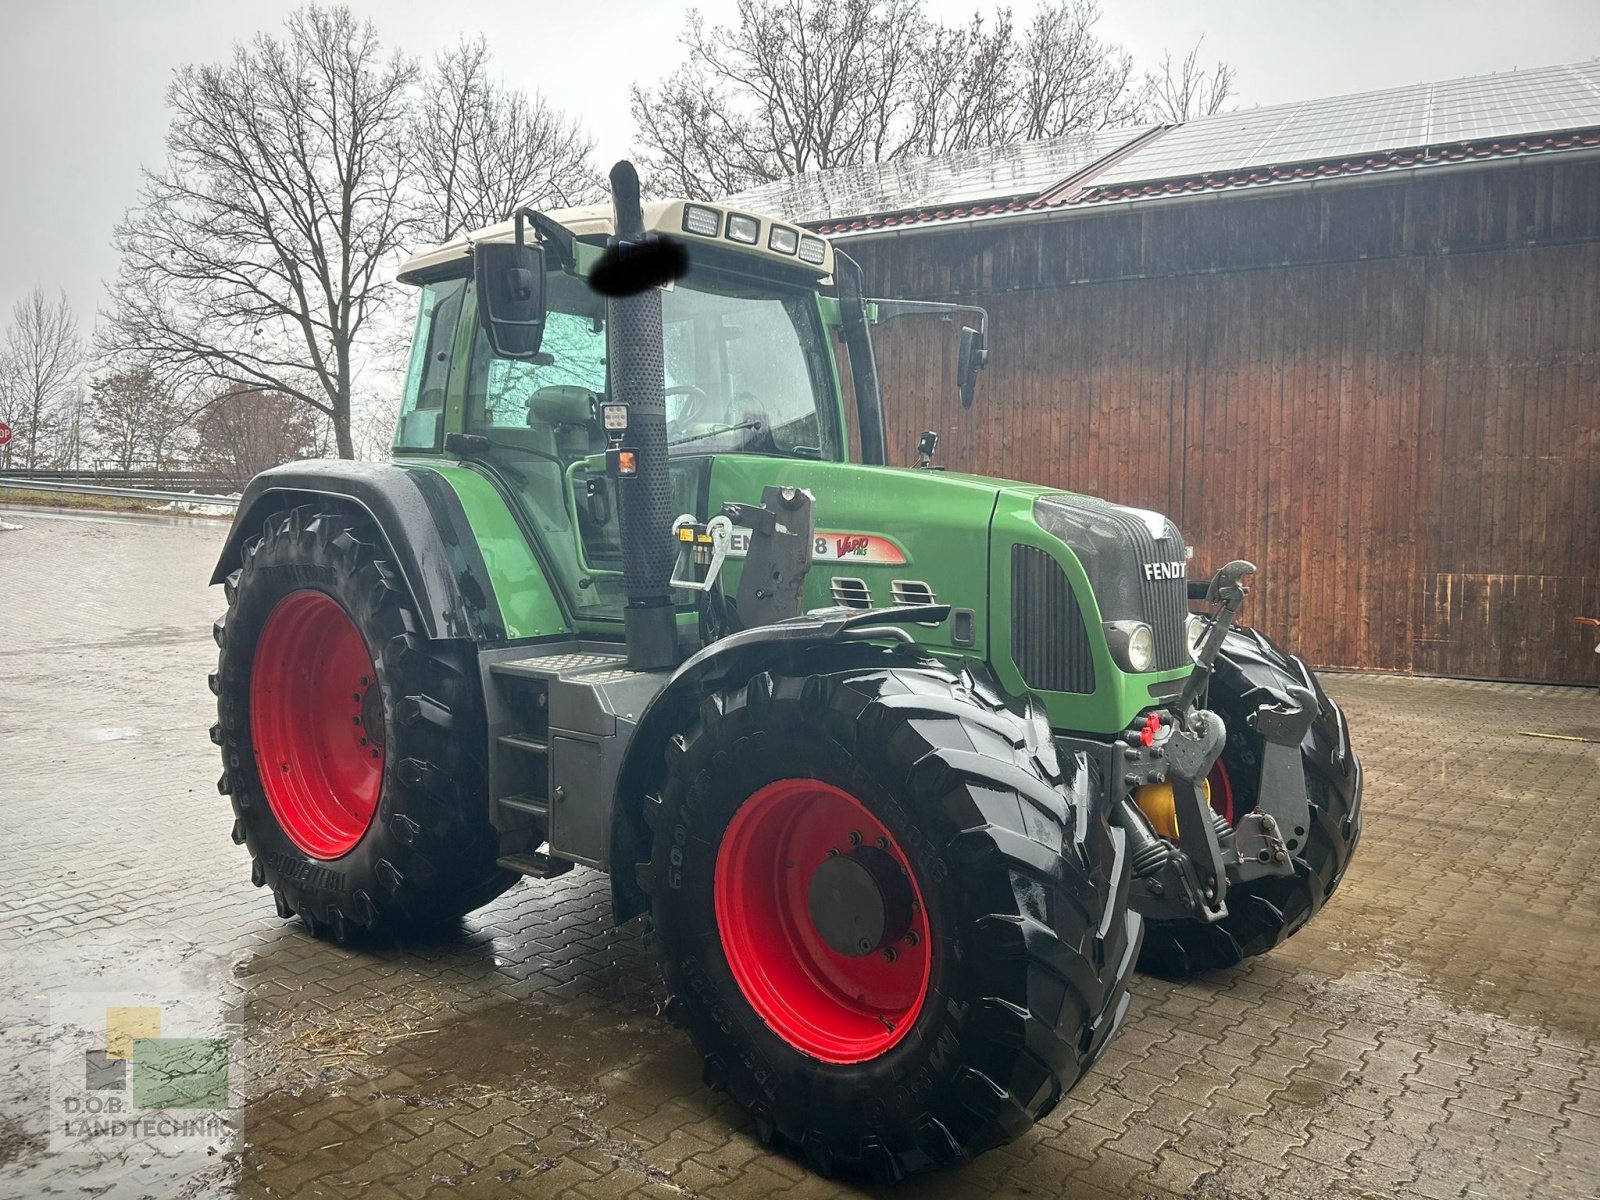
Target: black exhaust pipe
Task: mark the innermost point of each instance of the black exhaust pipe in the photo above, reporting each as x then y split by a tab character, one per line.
645	509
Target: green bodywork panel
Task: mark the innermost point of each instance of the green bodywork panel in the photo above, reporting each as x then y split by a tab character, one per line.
938	522
955	532
527	602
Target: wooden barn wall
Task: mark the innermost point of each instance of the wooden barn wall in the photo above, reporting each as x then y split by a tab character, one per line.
1387	395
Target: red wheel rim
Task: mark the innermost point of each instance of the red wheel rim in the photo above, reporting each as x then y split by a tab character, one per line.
1219	790
835	1007
316	718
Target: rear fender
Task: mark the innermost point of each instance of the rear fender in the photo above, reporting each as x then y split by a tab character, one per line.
419	517
834	640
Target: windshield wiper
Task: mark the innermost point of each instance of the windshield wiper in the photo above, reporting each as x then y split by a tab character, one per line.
711	433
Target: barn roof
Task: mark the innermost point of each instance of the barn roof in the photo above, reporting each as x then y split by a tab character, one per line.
1421	125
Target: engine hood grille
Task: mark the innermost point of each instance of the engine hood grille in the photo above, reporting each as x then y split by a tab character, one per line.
1136	562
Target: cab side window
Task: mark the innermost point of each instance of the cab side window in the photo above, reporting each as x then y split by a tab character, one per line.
421	423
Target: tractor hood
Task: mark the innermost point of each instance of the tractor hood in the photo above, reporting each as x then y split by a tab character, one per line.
1043	582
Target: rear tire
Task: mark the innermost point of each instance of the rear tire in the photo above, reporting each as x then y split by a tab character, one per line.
1029	941
1266	912
407	846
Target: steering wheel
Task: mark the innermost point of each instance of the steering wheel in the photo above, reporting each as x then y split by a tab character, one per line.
698	402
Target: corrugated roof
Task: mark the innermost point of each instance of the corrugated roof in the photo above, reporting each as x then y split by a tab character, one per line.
1426	124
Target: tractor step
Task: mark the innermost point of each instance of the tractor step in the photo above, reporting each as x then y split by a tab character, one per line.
528	745
558	666
533	806
537	864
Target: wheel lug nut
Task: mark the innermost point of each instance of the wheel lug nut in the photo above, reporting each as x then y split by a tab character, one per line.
883	843
888	954
363	741
855	838
356	698
864	945
913	938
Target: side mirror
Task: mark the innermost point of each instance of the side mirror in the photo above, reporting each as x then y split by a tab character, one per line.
972	358
510	281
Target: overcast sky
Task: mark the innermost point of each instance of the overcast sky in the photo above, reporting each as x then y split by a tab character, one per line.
81	81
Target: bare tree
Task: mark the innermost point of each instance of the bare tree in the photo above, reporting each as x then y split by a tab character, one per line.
483	149
1069	80
801	85
136	419
1185	91
964	86
240	434
257	256
40	371
795	85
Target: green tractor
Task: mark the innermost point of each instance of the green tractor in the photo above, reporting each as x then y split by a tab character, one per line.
908	768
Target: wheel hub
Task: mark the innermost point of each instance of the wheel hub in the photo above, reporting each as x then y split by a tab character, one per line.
860	901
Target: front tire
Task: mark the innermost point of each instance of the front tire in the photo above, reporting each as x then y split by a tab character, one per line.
1266	912
991	969
351	744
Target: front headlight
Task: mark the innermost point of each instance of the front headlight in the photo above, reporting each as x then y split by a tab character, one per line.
1194	628
1132	644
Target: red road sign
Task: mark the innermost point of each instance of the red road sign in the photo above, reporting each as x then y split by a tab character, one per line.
5	433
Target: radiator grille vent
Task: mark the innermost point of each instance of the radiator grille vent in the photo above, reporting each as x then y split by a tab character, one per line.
911	591
852	593
1049	643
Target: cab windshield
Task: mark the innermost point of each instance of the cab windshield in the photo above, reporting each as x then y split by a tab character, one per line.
747	372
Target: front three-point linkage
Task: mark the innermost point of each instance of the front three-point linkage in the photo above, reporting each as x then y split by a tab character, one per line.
1187	872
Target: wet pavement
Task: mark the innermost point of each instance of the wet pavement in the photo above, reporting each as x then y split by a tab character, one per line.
1432	1033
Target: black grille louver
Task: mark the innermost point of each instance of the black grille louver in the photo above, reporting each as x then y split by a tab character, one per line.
1049	643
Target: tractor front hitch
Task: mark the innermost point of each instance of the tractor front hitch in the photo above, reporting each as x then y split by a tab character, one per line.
1188	874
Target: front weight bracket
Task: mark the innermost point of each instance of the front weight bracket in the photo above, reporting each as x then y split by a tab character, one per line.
1269	838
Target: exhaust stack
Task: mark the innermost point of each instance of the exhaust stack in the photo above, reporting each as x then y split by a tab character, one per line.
645	511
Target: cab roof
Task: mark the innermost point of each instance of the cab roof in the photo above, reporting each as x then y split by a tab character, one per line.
684	219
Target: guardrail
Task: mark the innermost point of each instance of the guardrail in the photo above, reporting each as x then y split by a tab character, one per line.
9	482
168	479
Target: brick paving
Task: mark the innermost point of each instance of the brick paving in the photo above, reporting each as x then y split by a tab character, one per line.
1432	1033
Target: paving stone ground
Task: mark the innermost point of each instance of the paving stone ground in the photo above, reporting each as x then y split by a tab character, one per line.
1432	1033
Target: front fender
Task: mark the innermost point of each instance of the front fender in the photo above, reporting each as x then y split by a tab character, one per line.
418	516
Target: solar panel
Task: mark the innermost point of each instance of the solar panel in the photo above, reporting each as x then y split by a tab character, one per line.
1545	100
964	177
1484	107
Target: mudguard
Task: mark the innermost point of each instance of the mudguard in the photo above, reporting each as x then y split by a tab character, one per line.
429	538
847	636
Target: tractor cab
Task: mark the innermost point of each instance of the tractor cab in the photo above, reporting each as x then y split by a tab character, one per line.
748	370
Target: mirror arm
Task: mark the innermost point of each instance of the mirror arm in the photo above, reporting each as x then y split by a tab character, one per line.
890	310
551	232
